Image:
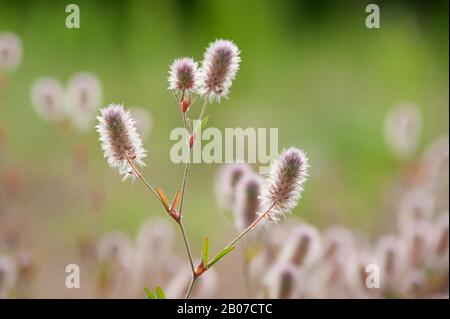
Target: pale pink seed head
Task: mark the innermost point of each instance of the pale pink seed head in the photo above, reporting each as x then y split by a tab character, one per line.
219	67
183	75
282	189
119	139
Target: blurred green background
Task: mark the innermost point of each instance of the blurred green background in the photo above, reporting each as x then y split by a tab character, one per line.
310	68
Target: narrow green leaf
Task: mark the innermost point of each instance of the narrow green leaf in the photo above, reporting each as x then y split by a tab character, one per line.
220	255
205	252
204	122
149	293
160	293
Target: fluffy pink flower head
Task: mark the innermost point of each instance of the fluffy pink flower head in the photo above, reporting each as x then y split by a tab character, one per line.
282	189
10	51
120	140
220	64
183	75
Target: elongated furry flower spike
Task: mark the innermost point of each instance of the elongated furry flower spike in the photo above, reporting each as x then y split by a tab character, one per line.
183	75
120	140
282	189
220	64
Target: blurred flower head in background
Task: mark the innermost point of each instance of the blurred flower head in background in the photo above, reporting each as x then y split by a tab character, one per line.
402	129
10	51
83	98
143	121
8	275
47	97
247	203
226	181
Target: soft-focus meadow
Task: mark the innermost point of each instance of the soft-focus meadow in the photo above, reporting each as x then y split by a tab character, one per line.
309	68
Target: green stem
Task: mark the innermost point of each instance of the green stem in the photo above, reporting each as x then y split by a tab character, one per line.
188	249
191	287
186	169
252	225
138	174
180	224
202	113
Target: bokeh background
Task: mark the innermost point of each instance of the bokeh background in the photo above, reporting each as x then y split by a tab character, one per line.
310	68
